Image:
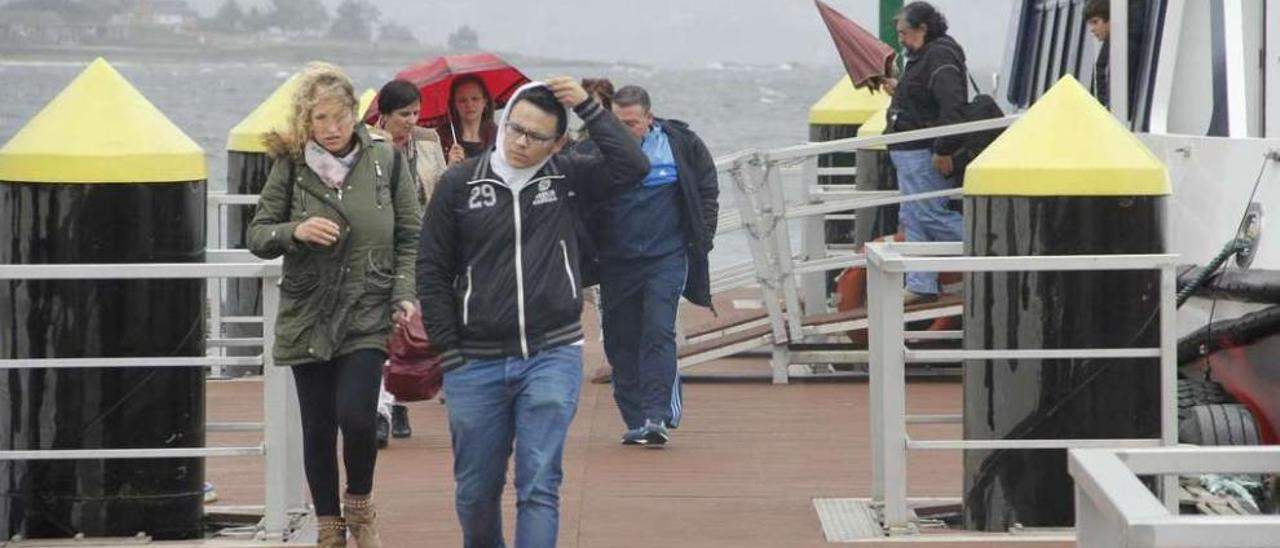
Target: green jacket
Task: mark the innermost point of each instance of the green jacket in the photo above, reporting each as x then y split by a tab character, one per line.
337	300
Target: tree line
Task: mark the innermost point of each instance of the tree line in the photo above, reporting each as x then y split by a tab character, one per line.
353	20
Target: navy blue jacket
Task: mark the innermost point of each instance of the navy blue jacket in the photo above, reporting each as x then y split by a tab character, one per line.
700	207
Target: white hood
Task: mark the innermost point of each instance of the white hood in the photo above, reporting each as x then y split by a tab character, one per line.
515	178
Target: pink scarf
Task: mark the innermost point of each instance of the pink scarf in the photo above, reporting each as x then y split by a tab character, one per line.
332	169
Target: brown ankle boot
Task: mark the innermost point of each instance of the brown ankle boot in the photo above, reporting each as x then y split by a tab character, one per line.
331	532
360	515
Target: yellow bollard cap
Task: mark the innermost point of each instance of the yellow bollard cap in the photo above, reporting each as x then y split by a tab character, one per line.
100	129
875	126
271	115
1067	144
366	100
846	105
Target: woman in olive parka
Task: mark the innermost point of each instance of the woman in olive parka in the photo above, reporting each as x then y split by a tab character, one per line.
340	206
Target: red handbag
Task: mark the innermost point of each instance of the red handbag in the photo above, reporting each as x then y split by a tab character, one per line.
413	371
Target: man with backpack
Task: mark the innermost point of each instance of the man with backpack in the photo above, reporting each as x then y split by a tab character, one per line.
931	92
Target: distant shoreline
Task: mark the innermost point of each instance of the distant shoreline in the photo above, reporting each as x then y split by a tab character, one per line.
295	52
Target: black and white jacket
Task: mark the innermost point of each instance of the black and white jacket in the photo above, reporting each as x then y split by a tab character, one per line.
498	271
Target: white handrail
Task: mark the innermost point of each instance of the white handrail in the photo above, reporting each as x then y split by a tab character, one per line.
225	198
166	453
281	427
854	143
887	263
82	363
139	271
1114	508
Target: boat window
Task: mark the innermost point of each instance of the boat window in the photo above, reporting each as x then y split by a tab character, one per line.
1053	40
1143	74
1025	46
1062	42
1048	36
1083	49
1072	35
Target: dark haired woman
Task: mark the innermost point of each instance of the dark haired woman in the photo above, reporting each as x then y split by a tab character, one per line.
400	105
470	131
932	91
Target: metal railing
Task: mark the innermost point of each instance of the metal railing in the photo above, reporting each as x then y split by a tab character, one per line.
886	268
816	200
854	143
217	227
1114	508
793	285
280	448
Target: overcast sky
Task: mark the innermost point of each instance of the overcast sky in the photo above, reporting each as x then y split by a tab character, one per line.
681	33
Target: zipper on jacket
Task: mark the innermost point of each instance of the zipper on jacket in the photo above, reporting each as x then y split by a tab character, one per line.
466	299
524	338
519	258
515	206
568	269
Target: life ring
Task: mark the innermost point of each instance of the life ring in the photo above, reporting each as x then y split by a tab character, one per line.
851	294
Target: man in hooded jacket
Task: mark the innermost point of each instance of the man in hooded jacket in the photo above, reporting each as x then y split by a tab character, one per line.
500	285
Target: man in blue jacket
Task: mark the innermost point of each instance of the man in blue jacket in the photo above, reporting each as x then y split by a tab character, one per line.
653	241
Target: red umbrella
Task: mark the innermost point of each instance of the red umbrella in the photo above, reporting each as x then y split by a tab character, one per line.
435	76
867	60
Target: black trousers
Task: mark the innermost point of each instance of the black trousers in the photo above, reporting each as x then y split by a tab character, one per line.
341	393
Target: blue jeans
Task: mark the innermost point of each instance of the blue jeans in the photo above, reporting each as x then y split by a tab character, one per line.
925	220
494	404
639	300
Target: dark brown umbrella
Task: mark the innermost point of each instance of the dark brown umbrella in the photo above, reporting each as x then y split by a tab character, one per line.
867	60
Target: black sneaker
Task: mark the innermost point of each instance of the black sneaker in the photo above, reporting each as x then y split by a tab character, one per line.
400	422
384	431
656	433
634	436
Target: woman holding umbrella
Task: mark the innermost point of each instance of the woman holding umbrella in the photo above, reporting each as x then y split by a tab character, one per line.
459	95
470	130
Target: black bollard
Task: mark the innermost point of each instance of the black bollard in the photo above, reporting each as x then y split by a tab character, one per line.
247	168
839	115
875	172
1067	179
101	176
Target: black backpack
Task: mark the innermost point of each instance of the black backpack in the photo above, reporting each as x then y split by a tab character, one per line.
982	107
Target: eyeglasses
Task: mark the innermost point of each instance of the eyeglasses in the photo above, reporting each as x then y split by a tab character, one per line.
533	136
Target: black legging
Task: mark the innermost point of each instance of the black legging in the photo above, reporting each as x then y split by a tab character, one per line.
342	392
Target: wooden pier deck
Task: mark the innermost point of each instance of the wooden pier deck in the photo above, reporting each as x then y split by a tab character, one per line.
742	470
